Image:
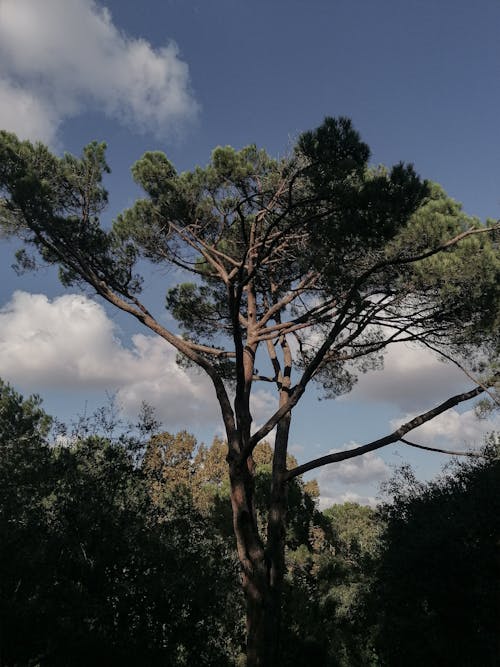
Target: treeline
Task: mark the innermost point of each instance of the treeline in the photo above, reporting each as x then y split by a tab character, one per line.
119	550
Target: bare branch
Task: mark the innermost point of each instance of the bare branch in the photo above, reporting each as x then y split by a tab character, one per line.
218	253
442	451
434	251
388	439
315	363
214	351
306	282
264	378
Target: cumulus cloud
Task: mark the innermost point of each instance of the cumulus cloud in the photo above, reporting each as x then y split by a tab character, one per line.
27	114
361	469
413	378
60	57
70	343
361	472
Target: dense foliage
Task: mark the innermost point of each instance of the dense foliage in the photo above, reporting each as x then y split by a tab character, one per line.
94	570
439	572
115	552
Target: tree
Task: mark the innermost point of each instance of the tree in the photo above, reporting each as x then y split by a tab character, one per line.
91	570
326	585
25	475
168	463
313	264
439	570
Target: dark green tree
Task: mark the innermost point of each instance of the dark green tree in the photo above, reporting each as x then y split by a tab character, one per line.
438	591
91	570
316	248
25	480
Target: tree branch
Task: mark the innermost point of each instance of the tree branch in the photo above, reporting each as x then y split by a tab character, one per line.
311	369
441	451
221	272
386	440
308	280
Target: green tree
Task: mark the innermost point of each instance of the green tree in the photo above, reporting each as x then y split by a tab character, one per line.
316	247
91	570
439	568
168	463
327	587
25	479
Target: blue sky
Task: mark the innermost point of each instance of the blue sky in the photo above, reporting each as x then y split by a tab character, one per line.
419	78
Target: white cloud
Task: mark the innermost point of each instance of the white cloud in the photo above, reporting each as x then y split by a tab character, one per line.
263	404
70	343
60	57
352	480
412	378
26	114
452	429
361	469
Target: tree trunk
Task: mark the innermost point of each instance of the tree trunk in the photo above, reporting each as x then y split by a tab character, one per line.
276	535
262	568
261	621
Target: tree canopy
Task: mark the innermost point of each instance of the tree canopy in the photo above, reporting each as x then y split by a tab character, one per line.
343	257
438	572
312	265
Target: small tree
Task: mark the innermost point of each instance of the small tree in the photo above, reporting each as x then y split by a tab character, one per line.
313	264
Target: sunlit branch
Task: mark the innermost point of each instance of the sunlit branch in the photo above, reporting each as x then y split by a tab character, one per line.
210	248
308	279
194	244
214	351
274	332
